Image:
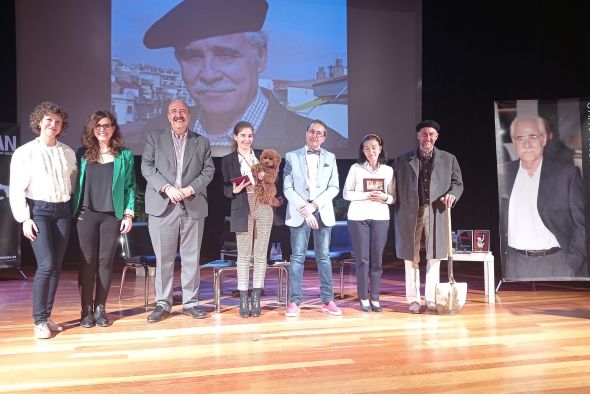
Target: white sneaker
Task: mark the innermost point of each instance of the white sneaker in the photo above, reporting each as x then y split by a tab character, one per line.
54	326
42	331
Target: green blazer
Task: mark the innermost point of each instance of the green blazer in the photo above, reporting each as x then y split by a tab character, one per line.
123	183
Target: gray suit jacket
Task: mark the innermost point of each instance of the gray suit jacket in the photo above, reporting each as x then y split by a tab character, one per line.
296	188
158	167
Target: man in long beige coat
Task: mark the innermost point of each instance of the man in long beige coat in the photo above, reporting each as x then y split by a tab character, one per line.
428	180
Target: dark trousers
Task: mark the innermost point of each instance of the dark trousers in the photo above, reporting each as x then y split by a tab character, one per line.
521	267
98	233
368	241
54	223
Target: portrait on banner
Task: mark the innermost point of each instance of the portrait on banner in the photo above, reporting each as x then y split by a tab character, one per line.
542	195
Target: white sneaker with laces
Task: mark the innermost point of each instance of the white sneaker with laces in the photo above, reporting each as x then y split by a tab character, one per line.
42	331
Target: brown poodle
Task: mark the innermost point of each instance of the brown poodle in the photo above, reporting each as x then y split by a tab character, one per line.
265	190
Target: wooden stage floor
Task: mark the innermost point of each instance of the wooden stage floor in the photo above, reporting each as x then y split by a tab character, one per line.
534	339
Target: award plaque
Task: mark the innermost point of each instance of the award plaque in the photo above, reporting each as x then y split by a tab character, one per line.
374	185
481	240
240	179
464	241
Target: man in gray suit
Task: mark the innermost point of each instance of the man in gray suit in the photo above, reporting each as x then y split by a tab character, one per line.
428	181
310	184
178	167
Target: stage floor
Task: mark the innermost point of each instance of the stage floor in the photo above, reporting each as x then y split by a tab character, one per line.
534	339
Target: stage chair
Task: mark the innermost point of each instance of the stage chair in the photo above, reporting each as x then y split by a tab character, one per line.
227	246
340	250
220	266
137	252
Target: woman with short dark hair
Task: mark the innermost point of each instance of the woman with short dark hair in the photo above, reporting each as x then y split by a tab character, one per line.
370	188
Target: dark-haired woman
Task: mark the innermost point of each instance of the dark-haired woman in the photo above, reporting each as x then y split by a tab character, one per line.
369	187
104	204
42	175
251	221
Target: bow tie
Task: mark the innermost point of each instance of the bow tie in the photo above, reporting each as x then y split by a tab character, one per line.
313	152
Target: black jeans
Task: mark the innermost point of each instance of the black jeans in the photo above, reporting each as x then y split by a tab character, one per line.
54	223
98	233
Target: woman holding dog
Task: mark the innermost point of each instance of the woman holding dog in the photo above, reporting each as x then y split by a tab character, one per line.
369	187
250	220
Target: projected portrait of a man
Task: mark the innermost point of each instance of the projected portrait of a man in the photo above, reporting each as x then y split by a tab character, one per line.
222	51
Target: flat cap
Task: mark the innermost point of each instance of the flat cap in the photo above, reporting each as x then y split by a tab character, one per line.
194	20
428	123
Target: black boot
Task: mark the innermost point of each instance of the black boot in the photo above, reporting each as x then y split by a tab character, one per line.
100	316
256	302
86	317
244	307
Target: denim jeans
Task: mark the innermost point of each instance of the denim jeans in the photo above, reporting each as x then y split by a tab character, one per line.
299	241
54	222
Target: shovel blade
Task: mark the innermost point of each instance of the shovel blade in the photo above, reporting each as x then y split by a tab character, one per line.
450	297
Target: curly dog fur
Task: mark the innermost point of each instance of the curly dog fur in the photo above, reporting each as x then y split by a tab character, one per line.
265	190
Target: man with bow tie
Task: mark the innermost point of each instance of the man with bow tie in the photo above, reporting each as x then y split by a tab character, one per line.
310	184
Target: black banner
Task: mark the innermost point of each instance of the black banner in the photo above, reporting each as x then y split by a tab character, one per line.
9	229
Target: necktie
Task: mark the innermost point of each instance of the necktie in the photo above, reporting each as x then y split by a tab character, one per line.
313	152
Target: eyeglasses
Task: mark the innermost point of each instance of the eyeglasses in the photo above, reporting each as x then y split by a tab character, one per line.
103	127
318	133
530	137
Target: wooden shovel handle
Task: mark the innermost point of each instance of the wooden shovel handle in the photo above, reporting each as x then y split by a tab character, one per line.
450	241
449	232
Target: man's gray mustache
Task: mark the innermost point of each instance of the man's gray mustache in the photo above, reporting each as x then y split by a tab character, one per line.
219	87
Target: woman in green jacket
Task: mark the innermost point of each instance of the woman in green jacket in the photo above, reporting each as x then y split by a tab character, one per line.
103	203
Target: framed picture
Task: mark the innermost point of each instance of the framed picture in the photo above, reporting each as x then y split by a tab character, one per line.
374	184
464	241
481	240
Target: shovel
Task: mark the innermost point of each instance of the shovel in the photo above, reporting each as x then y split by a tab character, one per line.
450	297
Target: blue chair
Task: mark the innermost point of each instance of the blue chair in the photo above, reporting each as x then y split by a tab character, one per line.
340	249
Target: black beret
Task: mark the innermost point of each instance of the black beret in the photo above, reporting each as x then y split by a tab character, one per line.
194	20
428	123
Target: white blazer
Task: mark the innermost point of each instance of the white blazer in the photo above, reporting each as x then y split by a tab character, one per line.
296	187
